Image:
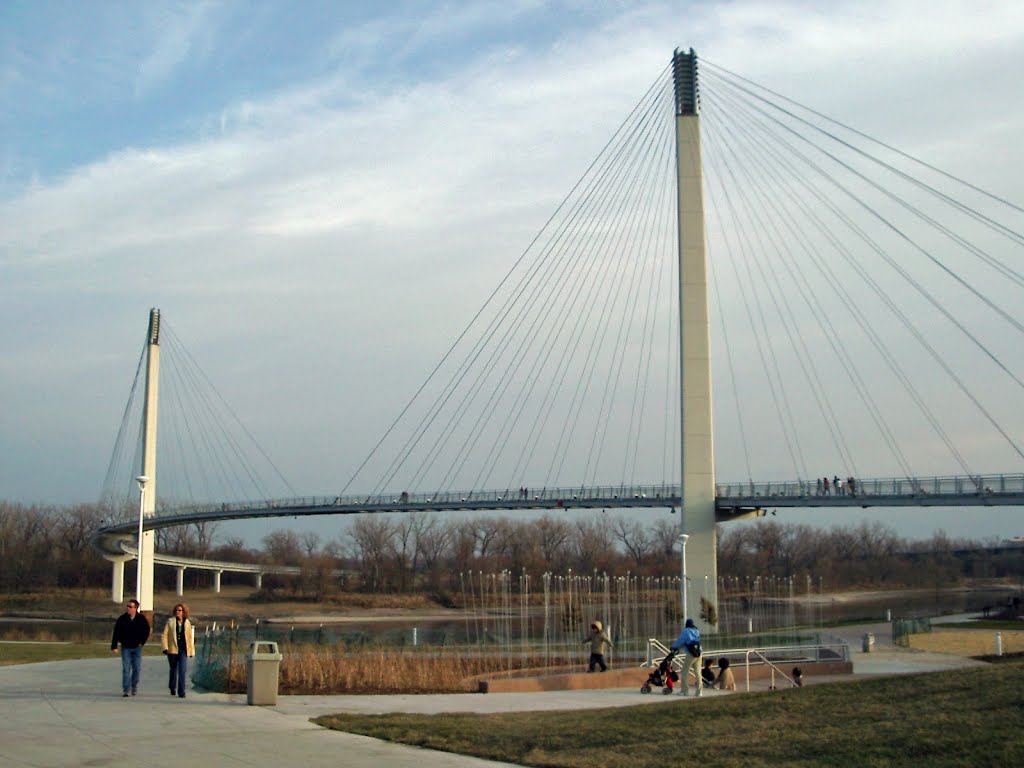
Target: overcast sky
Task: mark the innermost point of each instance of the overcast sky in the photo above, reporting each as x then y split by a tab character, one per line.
311	191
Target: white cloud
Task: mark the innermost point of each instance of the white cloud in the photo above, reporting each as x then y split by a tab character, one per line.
171	36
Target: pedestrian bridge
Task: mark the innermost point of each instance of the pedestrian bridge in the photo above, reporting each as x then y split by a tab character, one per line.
733	501
591	360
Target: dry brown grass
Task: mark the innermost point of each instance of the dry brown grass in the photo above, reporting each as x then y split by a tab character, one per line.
313	669
967	642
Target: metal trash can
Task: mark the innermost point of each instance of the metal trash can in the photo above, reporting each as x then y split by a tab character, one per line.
264	663
869	642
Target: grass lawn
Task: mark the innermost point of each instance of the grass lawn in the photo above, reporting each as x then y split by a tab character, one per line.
31	653
962	718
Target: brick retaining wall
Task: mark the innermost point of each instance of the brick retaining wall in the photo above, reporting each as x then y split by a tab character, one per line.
634	677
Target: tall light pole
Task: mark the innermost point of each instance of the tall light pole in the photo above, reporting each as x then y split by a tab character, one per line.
141	480
683	537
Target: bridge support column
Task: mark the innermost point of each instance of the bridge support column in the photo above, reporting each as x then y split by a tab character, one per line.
118	577
118	582
216	581
259	581
180	582
697	502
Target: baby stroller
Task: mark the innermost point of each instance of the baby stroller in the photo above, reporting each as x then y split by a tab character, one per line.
663	676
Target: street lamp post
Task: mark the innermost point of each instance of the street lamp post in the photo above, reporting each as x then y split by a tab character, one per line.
683	537
141	480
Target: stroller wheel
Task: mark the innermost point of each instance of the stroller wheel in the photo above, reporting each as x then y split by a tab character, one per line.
645	688
667	691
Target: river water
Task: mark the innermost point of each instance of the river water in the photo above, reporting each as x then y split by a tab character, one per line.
511	623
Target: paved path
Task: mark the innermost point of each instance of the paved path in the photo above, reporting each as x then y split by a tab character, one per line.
71	713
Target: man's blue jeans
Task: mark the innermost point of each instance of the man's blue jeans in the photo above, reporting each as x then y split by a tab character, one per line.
131	665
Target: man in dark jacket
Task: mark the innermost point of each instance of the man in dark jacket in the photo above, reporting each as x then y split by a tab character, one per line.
132	631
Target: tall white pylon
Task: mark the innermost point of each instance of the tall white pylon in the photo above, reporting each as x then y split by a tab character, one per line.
145	587
697	508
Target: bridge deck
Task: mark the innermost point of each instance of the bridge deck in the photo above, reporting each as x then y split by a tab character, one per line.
733	501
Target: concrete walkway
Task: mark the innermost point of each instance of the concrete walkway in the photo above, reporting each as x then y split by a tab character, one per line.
71	713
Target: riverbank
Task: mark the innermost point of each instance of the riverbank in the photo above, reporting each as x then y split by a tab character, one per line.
64	613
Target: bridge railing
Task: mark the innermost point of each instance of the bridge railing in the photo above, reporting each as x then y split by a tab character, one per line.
950	485
509	497
513	498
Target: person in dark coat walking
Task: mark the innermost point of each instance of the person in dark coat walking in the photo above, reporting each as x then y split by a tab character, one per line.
131	630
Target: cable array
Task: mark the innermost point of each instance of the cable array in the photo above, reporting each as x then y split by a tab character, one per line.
866	322
864	302
204	451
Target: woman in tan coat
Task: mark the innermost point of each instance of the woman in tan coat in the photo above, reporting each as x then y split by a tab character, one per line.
726	681
178	644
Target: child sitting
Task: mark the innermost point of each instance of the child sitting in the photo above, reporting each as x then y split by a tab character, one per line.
725	681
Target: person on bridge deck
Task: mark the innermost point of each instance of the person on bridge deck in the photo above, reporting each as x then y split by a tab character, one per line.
131	630
689	641
178	645
599	643
726	680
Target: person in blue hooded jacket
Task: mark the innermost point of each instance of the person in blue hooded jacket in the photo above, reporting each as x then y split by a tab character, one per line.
689	642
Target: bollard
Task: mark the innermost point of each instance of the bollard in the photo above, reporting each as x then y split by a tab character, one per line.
999	643
750	626
888	614
869	642
414	643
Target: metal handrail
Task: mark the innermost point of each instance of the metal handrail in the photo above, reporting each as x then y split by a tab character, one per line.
812	652
992	485
766	661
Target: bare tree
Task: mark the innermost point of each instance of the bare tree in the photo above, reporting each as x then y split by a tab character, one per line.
485	531
310	542
634	539
665	537
435	542
552	539
371	539
206	533
592	545
283	547
463	546
405	549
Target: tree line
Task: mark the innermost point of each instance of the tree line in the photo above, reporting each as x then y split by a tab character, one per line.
48	547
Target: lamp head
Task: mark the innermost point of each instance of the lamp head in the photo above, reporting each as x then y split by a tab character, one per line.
683	537
142	480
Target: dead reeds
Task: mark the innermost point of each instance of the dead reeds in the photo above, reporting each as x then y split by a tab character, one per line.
316	669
